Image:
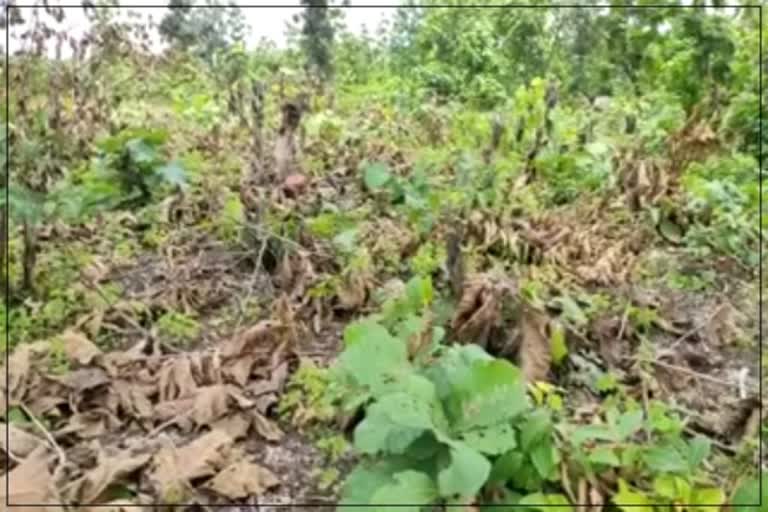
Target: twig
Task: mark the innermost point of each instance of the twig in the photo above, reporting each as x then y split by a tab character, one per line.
623	326
46	433
698	375
265	231
697	328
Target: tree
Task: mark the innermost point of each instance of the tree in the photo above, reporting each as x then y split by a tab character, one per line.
316	36
205	30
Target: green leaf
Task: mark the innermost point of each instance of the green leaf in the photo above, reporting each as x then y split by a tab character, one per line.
493	392
393	423
517	470
571	310
465	474
373	359
419	291
493	440
592	432
604	455
536	428
546	502
454	367
747	495
363	482
698	449
629	501
409	488
173	173
16	416
629	423
141	152
665	459
545	458
23	203
665	487
709	499
557	344
346	240
671	231
376	176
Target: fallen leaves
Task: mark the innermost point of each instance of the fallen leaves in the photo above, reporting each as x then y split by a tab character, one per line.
479	309
243	479
31	482
535	354
212	398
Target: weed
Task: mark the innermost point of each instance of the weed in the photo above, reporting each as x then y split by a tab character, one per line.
178	327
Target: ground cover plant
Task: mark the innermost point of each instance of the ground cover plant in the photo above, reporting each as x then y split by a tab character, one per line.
493	258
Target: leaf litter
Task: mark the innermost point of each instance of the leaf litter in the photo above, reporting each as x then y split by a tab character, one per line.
186	416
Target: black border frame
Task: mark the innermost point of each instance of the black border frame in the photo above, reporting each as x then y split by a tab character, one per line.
510	5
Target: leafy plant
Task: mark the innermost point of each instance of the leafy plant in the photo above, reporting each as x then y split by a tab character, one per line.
440	429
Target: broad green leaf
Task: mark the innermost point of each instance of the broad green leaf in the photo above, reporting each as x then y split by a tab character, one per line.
747	495
419	291
392	423
516	469
629	423
604	455
376	176
493	440
592	433
536	427
557	345
363	482
373	358
409	488
630	501
455	366
465	474
709	499
665	459
665	487
545	458
493	392
698	450
546	502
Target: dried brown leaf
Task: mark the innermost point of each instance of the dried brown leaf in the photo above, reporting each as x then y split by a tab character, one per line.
22	443
210	404
535	354
109	470
266	428
263	334
175	379
239	370
83	379
79	348
31	483
478	310
243	479
202	457
235	425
